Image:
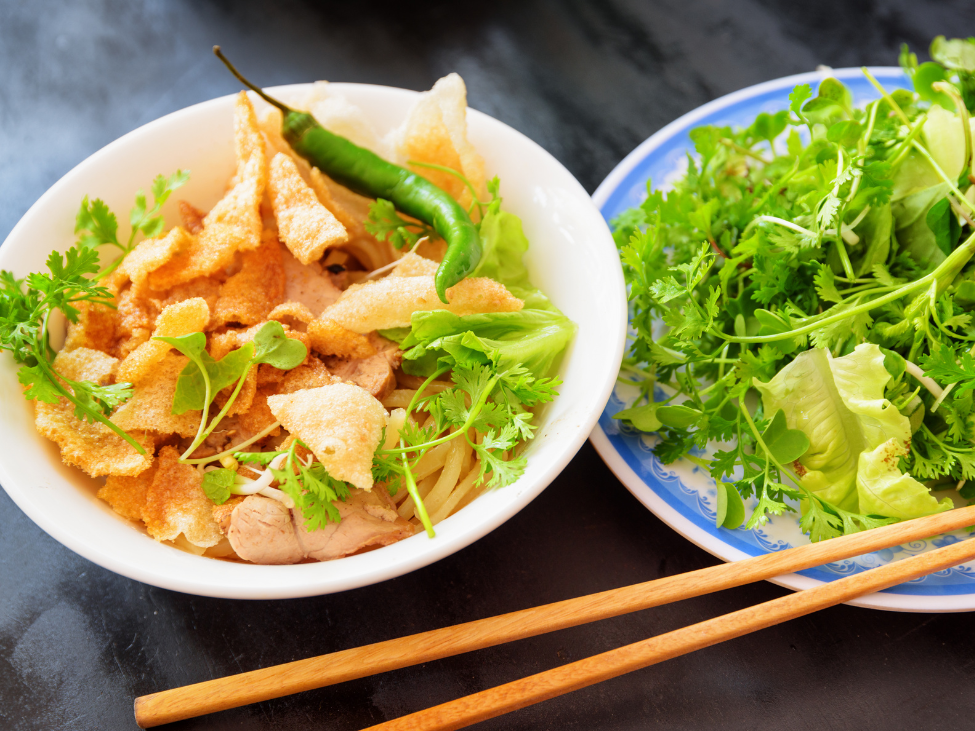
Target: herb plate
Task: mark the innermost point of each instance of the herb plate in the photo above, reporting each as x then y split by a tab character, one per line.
683	495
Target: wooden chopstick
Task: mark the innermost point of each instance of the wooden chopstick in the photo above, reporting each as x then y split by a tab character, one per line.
536	688
337	667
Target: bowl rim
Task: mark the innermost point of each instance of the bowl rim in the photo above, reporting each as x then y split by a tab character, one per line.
279	582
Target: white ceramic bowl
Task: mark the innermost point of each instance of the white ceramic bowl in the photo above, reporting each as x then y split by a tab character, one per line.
572	258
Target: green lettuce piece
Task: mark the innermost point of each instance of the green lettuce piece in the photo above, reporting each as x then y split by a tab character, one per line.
914	235
839	404
532	338
944	138
885	490
874	232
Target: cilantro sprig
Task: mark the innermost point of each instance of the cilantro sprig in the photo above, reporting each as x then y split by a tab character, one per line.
493	401
306	482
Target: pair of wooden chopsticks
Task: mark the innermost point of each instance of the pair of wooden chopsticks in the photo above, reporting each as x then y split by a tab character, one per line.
260	685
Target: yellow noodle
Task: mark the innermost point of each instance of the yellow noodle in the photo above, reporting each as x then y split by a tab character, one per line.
432	461
459	493
408	507
448	476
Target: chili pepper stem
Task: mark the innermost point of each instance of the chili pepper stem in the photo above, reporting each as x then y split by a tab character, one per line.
256	89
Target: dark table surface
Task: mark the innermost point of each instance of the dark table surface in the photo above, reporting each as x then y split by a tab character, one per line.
588	81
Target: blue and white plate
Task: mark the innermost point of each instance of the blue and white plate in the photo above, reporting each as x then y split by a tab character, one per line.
683	495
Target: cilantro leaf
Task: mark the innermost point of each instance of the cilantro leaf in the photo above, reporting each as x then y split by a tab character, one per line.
386	224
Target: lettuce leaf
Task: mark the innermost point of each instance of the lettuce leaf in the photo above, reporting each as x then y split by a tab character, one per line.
839	404
884	490
532	337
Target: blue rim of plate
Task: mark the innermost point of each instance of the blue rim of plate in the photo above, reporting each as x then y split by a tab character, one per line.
667	490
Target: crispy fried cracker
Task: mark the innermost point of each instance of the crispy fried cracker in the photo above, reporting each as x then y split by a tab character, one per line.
151	254
151	405
304	224
175	503
250	294
259	416
86	364
176	320
312	374
96	324
435	131
329	338
127	495
390	302
294	310
342	425
413	265
235	222
94	448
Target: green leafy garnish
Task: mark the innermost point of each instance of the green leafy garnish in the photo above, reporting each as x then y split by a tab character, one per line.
25	308
386	224
313	490
819	258
203	377
217	484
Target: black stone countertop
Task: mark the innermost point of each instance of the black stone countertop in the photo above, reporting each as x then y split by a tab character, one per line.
588	81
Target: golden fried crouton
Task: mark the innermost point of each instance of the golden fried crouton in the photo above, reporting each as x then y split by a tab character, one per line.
294	311
127	495
304	224
250	294
244	399
176	503
342	425
206	288
259	417
151	405
176	320
390	302
86	364
312	374
96	324
192	217
235	223
412	265
151	254
435	131
94	448
329	338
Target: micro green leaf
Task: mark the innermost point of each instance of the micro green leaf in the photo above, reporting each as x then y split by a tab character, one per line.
217	484
277	349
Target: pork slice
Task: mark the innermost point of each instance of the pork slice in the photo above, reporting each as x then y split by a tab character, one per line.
308	284
368	521
261	531
374	373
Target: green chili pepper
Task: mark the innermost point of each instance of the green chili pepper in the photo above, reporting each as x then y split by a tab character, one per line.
366	173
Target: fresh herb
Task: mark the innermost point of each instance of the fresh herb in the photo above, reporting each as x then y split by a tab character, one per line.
97	225
203	377
386	224
25	309
307	482
822	228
